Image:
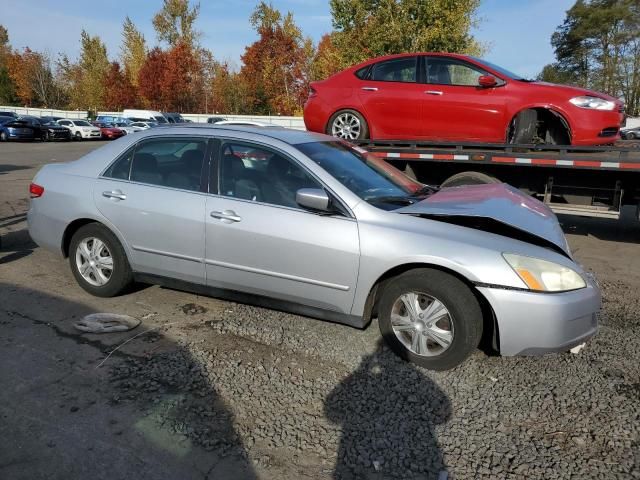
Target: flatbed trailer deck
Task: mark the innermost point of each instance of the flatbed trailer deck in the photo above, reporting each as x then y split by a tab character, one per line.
585	181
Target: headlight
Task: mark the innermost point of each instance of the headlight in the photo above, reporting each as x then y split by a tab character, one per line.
543	276
594	103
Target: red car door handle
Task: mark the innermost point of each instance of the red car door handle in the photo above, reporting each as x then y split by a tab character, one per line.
433	92
370	89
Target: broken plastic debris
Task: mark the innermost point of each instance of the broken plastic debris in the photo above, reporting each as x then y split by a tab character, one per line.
575	350
106	323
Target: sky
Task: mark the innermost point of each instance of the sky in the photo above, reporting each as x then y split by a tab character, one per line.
516	32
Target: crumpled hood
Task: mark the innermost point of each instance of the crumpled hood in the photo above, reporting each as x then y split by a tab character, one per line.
499	202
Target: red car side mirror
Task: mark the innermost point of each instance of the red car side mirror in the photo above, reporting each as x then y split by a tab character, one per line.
487	81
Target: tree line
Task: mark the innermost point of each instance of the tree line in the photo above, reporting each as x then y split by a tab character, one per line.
179	74
598	47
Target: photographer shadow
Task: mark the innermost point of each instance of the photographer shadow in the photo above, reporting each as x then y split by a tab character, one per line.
388	410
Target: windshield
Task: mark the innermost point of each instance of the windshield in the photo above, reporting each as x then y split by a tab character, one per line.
81	123
501	70
369	177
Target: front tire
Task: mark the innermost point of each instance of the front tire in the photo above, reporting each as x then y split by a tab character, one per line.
98	261
348	125
3	136
78	136
430	318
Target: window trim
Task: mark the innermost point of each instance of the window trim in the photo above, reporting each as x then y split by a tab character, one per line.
342	212
204	184
369	76
425	73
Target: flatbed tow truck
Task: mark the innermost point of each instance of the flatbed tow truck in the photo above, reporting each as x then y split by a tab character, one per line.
584	181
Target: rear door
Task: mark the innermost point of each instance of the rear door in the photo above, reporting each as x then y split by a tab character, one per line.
258	240
391	98
154	195
455	107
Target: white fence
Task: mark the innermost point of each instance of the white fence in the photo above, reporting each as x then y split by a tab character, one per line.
45	112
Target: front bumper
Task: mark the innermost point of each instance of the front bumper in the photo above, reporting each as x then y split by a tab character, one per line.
91	134
536	323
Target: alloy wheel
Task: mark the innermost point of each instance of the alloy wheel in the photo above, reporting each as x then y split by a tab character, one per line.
347	126
94	261
422	324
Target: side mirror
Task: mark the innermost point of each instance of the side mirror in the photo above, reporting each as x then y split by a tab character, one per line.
487	81
313	198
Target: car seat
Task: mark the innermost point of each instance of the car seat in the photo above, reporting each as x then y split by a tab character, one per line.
145	169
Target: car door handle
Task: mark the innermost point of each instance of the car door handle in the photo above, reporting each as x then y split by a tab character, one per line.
370	89
117	194
226	215
433	92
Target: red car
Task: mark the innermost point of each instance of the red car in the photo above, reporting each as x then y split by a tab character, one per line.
449	97
109	132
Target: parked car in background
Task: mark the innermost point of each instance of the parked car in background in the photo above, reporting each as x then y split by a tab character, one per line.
9	114
46	130
111	119
81	129
630	133
50	118
125	126
247	123
145	115
417	258
448	97
140	126
215	119
173	117
13	129
108	131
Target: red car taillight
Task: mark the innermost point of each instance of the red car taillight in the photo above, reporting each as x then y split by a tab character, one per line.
35	190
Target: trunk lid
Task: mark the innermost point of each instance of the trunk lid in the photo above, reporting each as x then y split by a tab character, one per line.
509	212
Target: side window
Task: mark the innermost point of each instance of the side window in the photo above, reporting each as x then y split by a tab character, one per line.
396	70
261	175
169	162
448	71
362	72
121	167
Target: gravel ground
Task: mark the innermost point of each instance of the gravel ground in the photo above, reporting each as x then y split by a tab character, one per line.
222	390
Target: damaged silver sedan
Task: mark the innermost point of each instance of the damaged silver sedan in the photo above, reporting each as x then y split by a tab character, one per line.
304	223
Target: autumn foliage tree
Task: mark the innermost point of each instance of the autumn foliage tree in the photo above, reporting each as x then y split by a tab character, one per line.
118	93
151	79
273	69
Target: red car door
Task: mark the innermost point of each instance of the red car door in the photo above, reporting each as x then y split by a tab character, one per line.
391	99
455	107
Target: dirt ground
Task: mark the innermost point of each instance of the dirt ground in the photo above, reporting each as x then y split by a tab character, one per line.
210	389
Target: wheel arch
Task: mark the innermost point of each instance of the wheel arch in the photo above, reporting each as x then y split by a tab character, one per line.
490	341
355	109
78	223
541	107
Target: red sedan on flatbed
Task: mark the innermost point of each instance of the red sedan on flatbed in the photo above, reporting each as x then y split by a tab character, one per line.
450	97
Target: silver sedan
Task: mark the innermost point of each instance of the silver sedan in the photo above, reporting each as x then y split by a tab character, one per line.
305	223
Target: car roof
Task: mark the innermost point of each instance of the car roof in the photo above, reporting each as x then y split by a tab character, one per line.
287	135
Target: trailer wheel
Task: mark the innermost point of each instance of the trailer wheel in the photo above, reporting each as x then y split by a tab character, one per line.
468	178
524	127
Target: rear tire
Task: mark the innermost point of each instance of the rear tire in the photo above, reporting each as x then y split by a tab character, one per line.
348	125
456	320
524	127
81	254
468	178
